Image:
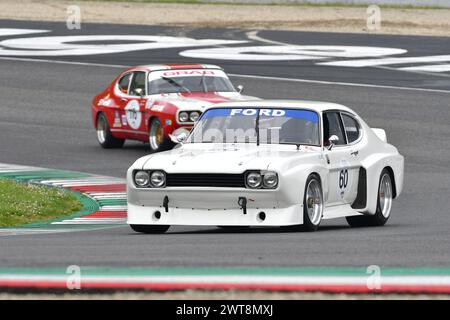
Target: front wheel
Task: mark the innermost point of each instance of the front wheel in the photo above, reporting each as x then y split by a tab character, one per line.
384	205
157	140
312	206
104	135
149	229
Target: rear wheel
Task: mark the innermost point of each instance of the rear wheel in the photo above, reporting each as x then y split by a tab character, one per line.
104	135
158	141
384	205
149	229
312	206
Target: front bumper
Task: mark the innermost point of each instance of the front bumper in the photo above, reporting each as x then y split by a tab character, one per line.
145	215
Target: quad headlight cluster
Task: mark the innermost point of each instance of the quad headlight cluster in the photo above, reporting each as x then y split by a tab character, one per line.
150	179
261	180
188	116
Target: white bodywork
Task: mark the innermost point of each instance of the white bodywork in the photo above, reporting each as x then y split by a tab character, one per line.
283	205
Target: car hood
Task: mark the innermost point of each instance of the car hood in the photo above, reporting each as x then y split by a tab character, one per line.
220	158
198	100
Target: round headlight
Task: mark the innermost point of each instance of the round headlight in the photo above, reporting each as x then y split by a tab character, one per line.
270	180
183	116
141	178
158	179
254	180
193	116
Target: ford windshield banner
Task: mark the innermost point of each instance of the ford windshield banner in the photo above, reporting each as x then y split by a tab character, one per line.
267	112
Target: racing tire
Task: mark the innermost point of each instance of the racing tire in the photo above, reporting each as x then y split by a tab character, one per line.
313	206
104	135
157	140
384	205
149	229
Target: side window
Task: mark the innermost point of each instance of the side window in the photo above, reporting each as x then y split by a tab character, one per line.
332	126
124	83
351	128
138	82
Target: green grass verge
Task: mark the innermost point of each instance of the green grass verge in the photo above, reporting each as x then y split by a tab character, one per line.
22	203
336	4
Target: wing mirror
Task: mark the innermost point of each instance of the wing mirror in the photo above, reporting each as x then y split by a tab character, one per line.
179	136
139	92
333	140
240	88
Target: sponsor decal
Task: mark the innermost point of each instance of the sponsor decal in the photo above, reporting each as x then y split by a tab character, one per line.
158	108
188	73
267	112
124	120
168	122
149	104
133	114
116	120
105	102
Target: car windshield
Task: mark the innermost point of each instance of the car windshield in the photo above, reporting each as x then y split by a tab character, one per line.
257	125
176	82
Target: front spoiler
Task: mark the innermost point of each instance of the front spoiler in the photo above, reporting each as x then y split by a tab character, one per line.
145	215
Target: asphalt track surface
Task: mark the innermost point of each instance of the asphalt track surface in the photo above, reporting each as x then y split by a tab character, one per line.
45	121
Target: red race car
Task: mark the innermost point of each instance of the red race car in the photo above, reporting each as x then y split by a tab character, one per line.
147	103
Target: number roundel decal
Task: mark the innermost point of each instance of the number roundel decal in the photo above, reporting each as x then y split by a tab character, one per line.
134	117
344	179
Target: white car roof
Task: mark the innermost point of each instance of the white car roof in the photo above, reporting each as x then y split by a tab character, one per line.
318	106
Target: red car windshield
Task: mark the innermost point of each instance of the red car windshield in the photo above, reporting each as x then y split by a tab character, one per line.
190	84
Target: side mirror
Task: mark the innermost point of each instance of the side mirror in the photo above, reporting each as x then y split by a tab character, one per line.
240	88
334	139
179	136
139	92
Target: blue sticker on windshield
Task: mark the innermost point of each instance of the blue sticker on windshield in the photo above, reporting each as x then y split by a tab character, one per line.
288	113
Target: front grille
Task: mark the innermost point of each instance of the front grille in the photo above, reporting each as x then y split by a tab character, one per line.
205	180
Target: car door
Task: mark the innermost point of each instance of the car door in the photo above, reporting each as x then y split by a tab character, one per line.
122	99
132	100
135	108
342	164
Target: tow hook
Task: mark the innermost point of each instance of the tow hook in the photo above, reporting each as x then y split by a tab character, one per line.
166	203
242	202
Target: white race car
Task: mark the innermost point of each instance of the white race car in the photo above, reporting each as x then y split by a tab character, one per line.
268	163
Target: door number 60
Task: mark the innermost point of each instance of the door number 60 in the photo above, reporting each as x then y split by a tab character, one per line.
343	178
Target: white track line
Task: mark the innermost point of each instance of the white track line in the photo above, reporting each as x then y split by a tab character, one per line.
87	179
349	84
245	76
253	35
113	208
100	194
99	198
65	62
429	68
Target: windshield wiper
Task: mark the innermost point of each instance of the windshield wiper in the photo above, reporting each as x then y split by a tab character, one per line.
172	81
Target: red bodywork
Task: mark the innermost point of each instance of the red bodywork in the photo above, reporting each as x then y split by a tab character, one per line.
164	107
